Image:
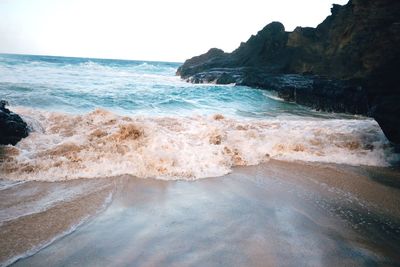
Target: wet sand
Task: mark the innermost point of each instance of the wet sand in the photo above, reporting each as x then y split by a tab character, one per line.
34	214
274	214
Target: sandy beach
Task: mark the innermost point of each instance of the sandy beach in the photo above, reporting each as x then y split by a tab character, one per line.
137	133
274	214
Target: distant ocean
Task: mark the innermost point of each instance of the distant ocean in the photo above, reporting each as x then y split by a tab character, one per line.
99	117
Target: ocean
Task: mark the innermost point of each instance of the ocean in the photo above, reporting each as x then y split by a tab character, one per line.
101	117
287	184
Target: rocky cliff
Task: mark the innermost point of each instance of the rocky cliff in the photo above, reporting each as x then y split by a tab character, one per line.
348	63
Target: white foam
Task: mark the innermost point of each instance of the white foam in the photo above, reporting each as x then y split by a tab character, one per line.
102	144
66	232
47	200
5	184
273	95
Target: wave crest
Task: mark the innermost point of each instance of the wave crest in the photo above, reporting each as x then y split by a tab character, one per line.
101	143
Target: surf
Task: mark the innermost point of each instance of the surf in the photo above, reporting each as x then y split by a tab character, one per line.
101	143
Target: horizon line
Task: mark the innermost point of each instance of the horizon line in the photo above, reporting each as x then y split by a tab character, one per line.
101	58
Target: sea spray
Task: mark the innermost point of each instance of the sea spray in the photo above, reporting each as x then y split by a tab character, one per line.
102	143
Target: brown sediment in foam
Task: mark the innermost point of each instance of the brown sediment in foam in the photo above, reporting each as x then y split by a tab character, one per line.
128	131
101	143
218	117
8	151
7	156
98	133
215	139
298	148
235	156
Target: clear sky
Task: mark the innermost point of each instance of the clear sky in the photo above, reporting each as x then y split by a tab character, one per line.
165	30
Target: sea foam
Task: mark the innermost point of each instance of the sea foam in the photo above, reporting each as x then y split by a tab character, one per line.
102	144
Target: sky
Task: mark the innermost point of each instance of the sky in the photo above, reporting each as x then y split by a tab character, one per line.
159	30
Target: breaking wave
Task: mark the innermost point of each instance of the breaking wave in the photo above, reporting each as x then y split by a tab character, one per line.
102	144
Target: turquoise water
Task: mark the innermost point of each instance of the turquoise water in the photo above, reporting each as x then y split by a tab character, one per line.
99	118
78	85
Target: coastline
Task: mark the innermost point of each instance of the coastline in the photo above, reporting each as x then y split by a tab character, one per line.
276	212
345	64
283	152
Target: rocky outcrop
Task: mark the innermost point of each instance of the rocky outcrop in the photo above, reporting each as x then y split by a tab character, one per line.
12	127
348	63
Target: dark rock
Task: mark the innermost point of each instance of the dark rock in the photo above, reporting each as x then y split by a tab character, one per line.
12	127
386	113
348	63
212	58
226	78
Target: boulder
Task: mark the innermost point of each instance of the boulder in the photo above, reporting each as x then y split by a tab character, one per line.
12	127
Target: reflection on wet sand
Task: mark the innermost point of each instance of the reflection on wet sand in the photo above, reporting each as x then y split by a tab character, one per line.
34	214
275	214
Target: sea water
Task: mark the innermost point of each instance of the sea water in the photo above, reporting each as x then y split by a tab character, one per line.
99	117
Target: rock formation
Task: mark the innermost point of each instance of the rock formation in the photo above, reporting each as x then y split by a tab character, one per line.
348	63
12	127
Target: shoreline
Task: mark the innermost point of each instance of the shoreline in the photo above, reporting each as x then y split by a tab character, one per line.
330	67
276	212
36	214
64	147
